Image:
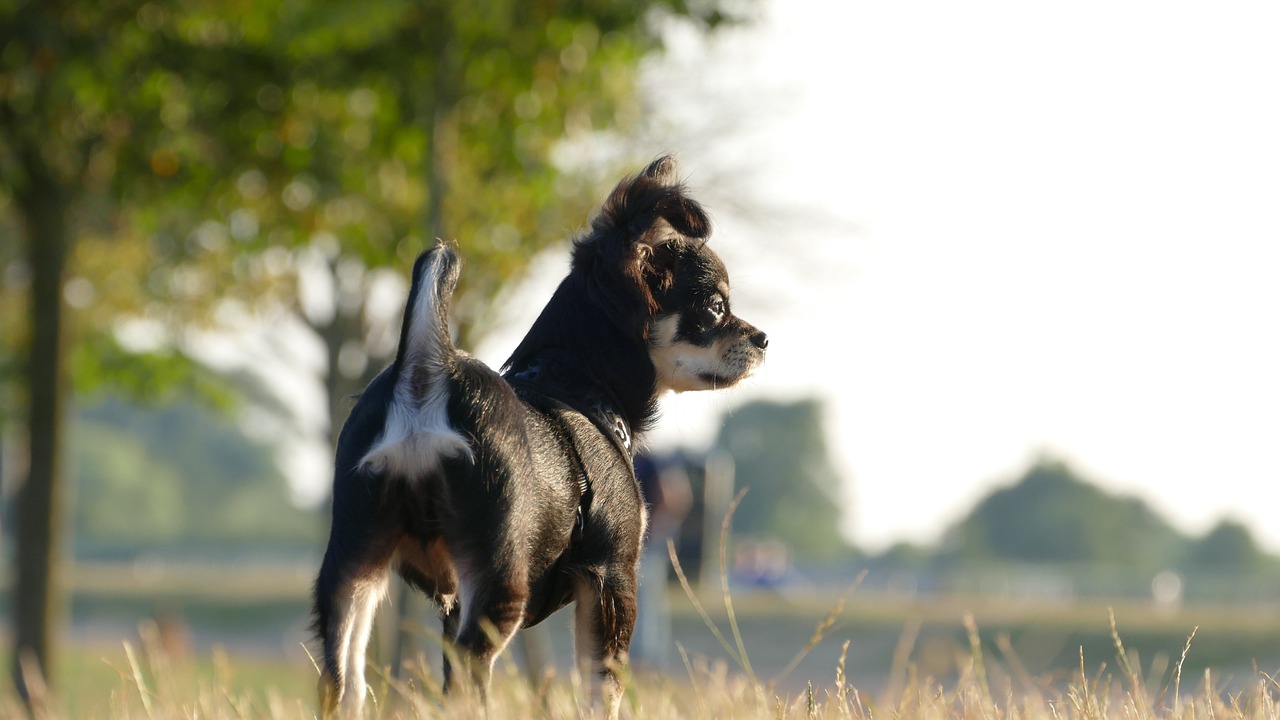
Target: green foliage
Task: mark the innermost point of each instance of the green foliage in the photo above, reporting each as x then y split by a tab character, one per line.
124	125
904	555
186	155
400	122
780	453
14	282
202	145
153	377
1227	546
178	480
1052	515
126	498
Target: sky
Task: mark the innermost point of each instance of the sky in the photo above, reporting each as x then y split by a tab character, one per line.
984	232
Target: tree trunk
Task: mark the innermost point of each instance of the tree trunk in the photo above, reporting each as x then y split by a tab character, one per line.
37	600
339	390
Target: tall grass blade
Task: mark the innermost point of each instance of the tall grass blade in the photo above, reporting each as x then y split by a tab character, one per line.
842	680
820	631
1269	678
1177	673
697	605
901	658
311	657
1016	666
139	680
1135	680
724	585
979	667
39	701
693	679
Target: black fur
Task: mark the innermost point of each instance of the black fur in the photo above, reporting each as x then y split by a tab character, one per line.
505	497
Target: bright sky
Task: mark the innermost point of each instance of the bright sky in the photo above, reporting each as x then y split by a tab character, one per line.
991	230
1063	236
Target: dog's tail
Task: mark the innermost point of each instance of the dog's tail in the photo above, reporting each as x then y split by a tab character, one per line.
425	331
417	432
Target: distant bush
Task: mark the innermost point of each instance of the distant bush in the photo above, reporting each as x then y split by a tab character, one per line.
177	479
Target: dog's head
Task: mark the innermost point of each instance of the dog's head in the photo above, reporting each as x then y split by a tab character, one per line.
651	268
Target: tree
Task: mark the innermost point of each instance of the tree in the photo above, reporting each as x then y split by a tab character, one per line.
1227	546
197	150
780	453
88	135
407	122
1052	515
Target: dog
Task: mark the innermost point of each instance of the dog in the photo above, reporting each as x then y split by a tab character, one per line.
504	497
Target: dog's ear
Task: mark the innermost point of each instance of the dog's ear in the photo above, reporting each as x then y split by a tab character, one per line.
662	170
625	253
685	215
657	268
677	208
638	201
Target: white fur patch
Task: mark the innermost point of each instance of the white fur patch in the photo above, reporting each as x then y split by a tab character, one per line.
684	366
417	435
356	630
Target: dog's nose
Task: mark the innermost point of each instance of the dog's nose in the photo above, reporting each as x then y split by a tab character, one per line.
760	340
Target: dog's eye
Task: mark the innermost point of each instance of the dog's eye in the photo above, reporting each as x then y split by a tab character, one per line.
716	308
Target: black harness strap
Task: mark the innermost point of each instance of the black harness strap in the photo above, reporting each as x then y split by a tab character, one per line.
597	406
598	409
584	493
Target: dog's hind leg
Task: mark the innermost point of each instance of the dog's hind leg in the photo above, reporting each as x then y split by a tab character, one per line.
604	619
347	594
426	565
492	605
364	605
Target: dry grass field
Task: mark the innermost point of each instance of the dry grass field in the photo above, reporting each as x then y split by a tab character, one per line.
149	686
140	679
755	655
752	655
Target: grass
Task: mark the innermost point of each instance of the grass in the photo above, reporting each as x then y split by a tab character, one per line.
963	658
143	682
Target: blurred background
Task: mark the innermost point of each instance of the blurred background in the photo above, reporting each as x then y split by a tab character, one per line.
1016	263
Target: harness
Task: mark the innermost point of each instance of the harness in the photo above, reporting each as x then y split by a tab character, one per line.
596	406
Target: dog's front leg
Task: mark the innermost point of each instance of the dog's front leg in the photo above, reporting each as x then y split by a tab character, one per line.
604	619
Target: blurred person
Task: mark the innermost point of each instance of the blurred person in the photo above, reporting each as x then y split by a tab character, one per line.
667	492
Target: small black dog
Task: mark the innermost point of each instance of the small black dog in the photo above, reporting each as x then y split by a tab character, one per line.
505	497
